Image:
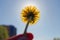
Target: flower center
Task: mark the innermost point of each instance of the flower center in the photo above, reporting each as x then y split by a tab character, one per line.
30	14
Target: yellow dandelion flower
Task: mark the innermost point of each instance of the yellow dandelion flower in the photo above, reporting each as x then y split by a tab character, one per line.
30	11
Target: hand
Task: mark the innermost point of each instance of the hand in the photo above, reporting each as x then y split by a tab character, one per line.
29	36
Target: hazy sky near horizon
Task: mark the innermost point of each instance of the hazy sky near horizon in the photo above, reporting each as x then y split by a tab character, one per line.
46	28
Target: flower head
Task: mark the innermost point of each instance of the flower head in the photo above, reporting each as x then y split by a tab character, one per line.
30	11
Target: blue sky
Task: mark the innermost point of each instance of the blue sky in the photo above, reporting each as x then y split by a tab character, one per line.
47	28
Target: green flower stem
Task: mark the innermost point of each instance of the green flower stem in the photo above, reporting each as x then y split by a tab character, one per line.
25	31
